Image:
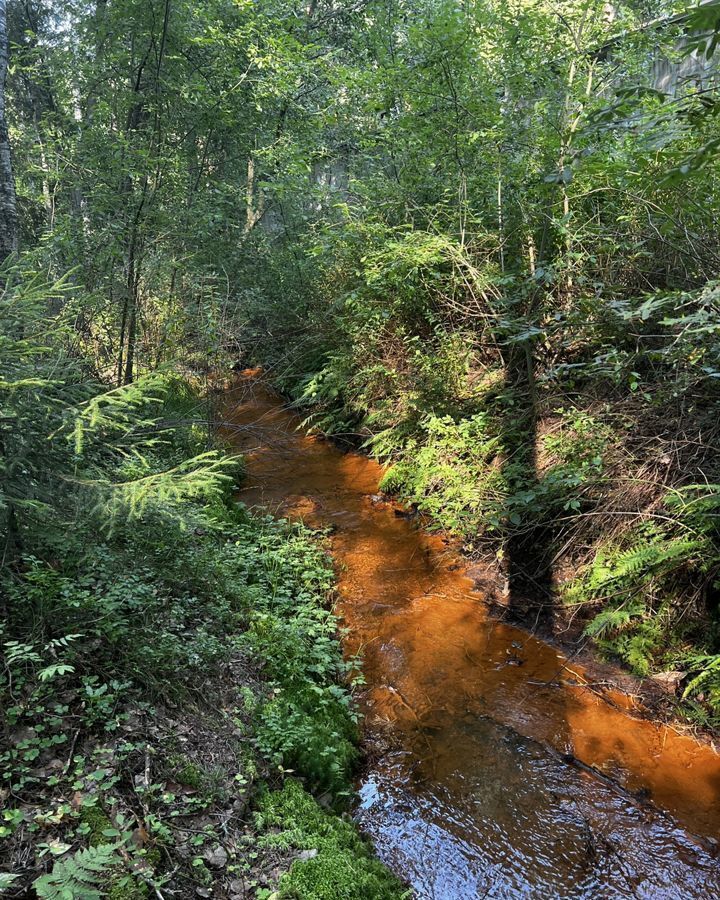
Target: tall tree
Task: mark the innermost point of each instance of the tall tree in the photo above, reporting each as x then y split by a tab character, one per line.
8	206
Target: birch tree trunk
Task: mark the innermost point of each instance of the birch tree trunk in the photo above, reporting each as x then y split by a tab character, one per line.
8	206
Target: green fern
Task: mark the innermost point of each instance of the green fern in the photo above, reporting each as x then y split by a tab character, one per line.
654	555
699	504
614	619
661	555
80	877
638	649
707	679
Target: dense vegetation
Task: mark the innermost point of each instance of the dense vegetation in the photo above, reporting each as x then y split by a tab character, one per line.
478	238
164	654
506	287
170	675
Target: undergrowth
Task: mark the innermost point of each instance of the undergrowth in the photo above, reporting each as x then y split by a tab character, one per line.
162	653
574	451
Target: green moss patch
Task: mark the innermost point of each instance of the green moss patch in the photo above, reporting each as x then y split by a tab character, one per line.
343	868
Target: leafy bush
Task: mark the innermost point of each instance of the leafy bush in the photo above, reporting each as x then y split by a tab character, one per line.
452	473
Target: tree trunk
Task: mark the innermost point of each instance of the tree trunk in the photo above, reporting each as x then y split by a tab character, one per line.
8	206
254	200
8	247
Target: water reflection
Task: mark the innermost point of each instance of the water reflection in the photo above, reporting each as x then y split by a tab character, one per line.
514	821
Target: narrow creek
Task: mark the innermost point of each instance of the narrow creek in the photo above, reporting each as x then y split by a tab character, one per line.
470	790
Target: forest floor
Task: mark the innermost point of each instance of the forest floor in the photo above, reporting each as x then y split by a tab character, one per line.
178	721
189	806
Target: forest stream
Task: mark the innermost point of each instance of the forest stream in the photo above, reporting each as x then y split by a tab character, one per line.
494	770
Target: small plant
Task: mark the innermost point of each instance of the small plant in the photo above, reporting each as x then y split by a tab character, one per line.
451	473
82	876
704	683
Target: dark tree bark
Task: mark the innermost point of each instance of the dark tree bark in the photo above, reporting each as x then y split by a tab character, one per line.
8	206
136	121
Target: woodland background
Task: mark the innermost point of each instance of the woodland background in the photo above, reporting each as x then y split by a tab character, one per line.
478	239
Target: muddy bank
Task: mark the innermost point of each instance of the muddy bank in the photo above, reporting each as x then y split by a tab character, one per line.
499	769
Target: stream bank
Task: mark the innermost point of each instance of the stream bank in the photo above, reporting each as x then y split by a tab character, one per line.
169	734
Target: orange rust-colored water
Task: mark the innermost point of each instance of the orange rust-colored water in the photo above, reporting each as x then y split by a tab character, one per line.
471	791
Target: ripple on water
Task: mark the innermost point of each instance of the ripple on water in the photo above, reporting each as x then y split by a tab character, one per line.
476	810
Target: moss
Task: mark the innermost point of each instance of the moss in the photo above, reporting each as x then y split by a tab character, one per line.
187	773
153	857
344	867
97	821
339	876
191	775
124	888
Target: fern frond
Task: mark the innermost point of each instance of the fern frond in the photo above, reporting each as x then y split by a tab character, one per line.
650	558
709	675
614	619
659	554
81	876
